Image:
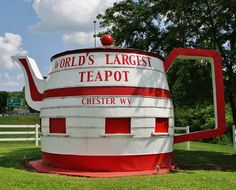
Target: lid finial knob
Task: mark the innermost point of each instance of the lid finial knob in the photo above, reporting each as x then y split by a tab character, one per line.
107	40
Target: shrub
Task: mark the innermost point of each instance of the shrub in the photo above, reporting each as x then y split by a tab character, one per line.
202	117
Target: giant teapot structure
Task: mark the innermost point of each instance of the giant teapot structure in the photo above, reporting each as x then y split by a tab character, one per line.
109	109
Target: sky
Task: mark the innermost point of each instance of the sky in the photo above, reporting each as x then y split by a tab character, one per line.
41	29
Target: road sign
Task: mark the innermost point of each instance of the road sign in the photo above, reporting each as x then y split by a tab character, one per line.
13	102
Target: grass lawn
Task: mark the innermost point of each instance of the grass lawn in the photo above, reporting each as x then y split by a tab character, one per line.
20	120
205	166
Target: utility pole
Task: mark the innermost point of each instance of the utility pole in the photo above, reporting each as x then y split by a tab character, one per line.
95	33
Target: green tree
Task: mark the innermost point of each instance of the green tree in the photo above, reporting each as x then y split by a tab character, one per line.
3	101
190	83
160	25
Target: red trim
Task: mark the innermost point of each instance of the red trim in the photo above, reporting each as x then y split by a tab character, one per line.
35	94
118	126
108	163
220	105
120	50
106	91
198	135
38	166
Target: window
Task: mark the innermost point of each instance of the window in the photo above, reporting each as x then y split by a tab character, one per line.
162	125
57	125
117	126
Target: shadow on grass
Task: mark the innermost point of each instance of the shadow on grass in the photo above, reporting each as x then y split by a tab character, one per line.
18	158
204	160
184	160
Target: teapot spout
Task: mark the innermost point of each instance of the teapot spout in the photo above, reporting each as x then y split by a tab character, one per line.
34	82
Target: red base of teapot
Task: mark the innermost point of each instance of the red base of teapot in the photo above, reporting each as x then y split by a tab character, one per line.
104	166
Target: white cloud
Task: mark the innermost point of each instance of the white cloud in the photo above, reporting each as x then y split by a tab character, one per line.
28	1
10	83
10	44
81	39
10	76
72	17
7	76
12	80
67	15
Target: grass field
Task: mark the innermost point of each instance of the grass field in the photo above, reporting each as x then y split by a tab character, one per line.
20	120
205	166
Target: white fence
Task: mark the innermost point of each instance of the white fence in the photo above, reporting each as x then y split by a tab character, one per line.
36	133
10	132
188	143
186	129
234	138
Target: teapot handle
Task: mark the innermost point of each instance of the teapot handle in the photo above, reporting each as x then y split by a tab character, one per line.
218	90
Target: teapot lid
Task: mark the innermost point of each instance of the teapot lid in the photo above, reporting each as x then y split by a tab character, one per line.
107	42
